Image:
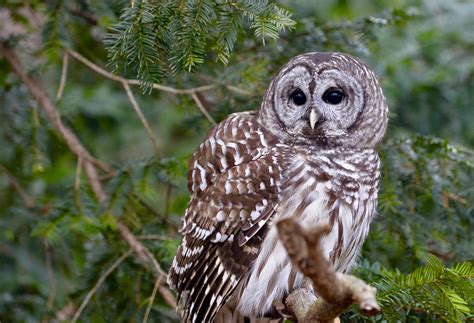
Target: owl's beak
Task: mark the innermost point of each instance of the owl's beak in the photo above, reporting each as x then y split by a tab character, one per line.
313	118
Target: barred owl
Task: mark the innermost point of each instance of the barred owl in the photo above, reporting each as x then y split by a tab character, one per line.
309	154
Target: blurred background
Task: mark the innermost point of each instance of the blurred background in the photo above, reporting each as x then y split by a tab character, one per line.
59	237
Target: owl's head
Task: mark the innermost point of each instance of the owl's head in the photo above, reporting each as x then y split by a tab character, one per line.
326	99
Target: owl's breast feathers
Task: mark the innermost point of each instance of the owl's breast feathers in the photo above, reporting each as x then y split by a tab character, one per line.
238	177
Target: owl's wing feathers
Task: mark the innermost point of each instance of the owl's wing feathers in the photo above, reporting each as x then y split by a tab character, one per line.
234	183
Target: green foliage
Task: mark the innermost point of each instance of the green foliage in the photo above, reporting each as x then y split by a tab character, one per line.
424	202
57	242
151	37
430	293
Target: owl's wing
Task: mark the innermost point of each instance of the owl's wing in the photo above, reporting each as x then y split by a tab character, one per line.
234	182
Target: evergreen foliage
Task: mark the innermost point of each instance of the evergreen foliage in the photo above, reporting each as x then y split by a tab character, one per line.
432	292
57	240
178	35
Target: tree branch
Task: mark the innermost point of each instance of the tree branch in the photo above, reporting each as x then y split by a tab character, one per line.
142	118
88	162
337	291
27	199
158	282
113	77
202	108
62	83
126	82
99	283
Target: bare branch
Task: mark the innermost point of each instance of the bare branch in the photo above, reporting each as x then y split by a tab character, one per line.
120	79
27	199
141	116
62	83
142	252
202	108
94	181
158	282
93	66
65	313
167	295
146	257
77	180
99	283
153	237
126	82
238	90
337	291
88	17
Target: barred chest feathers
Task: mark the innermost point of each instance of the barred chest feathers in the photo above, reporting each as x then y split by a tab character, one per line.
308	153
339	187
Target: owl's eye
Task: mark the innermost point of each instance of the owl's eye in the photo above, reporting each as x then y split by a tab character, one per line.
298	97
333	96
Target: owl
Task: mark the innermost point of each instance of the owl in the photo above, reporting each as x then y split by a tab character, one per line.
308	154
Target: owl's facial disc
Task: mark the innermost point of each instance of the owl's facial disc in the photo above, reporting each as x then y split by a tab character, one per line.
326	99
339	97
317	102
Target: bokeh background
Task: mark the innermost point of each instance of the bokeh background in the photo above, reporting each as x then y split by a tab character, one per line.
57	239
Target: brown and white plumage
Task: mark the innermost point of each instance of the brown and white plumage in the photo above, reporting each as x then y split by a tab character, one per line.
312	161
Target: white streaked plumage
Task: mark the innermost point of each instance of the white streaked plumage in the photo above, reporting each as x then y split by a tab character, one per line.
305	154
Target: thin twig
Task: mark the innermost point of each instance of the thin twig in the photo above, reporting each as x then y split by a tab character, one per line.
202	108
77	186
99	283
100	164
93	66
77	180
120	79
142	252
141	116
153	237
94	181
158	282
107	176
167	201
147	206
27	199
238	90
167	295
52	280
65	313
88	17
64	69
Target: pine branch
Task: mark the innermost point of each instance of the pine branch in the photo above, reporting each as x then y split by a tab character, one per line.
433	291
152	37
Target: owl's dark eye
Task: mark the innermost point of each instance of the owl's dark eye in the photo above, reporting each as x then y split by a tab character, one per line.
333	96
298	97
